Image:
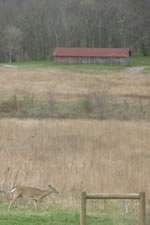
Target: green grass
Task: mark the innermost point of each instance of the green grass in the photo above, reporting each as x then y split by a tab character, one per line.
73	68
34	64
26	216
134	61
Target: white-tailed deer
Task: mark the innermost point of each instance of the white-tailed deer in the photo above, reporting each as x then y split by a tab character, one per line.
33	193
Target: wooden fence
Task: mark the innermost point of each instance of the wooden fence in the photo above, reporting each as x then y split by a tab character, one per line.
140	196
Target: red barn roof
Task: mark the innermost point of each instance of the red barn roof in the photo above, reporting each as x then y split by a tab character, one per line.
91	52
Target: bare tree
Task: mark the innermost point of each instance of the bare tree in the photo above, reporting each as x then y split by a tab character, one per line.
12	40
36	27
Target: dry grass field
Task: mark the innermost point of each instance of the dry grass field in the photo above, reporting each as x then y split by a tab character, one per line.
61	93
68	84
75	155
92	154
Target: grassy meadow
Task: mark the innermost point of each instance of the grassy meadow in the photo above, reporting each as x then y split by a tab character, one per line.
134	61
78	128
45	90
51	216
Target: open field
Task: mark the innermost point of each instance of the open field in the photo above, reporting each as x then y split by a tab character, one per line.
78	146
77	128
39	217
60	217
75	155
134	61
62	80
58	91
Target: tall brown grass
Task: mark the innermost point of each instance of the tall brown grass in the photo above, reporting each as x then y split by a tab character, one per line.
61	94
75	155
65	84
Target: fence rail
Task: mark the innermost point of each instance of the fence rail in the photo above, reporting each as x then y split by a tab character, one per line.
133	196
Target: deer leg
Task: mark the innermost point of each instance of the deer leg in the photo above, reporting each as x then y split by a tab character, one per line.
35	203
12	202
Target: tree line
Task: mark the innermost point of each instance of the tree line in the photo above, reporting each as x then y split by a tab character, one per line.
31	29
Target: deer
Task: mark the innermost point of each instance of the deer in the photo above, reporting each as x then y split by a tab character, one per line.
33	193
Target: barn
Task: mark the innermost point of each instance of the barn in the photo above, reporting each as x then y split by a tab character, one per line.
91	55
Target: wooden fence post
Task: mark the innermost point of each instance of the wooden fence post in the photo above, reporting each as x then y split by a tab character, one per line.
142	209
134	196
83	209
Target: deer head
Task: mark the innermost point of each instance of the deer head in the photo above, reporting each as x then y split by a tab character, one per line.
53	189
